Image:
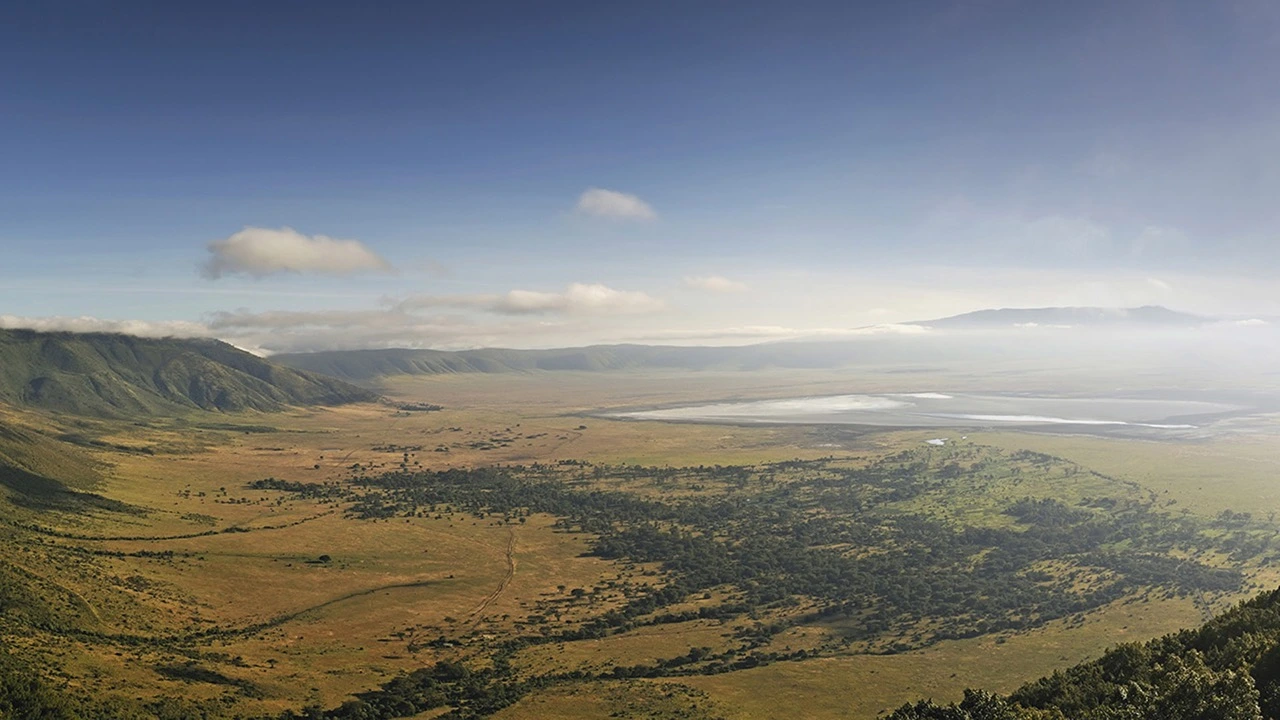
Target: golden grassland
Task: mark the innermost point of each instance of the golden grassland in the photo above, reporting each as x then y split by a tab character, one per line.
861	686
628	699
332	628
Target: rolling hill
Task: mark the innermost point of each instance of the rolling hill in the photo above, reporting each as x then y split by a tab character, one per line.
1227	669
114	375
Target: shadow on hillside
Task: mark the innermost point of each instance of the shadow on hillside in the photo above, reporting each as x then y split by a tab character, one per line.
36	492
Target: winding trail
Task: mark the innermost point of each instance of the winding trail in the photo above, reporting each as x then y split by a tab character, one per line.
502	585
230	529
1202	604
248	630
287	617
81	599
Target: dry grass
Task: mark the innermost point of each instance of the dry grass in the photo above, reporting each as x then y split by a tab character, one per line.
633	699
862	686
643	645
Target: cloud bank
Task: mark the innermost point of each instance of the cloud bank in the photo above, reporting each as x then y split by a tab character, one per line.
259	252
87	324
614	204
577	299
519	318
714	283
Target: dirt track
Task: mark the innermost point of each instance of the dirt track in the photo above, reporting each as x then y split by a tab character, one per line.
506	579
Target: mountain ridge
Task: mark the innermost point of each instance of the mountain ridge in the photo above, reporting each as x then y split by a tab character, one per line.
117	375
1153	315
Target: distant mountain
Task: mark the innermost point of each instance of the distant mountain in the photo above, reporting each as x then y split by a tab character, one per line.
120	375
867	347
362	365
369	365
1148	315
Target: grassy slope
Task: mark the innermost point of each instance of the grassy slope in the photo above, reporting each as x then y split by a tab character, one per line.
121	376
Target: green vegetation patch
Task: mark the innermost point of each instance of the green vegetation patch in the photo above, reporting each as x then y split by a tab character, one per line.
857	540
118	376
1228	669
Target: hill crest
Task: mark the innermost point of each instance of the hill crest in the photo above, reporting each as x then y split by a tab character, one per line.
1151	315
118	375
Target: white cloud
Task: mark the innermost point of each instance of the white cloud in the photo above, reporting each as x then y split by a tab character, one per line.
892	329
578	298
306	331
714	283
88	324
614	204
520	318
262	251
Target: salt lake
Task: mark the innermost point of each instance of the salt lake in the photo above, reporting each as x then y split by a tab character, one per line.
946	409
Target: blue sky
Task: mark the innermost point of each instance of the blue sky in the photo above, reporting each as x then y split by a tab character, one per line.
559	173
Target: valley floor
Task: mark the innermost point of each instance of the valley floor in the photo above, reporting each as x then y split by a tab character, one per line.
262	563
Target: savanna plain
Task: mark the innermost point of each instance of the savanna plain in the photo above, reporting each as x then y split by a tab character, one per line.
499	545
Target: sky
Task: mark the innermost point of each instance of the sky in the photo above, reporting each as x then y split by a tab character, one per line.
294	176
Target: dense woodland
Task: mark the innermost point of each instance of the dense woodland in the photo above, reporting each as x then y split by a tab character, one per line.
801	529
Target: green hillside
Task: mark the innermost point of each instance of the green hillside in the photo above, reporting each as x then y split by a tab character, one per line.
40	472
115	375
1227	669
